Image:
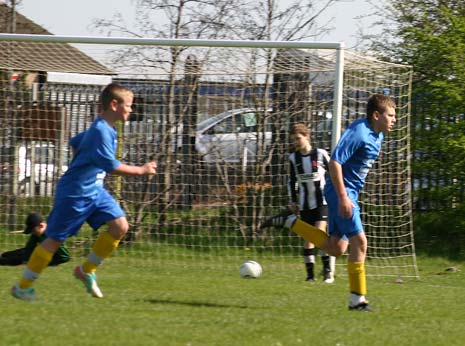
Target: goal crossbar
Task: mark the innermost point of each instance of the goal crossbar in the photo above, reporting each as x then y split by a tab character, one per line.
171	42
211	195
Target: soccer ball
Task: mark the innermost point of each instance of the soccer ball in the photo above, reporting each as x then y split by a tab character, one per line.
250	269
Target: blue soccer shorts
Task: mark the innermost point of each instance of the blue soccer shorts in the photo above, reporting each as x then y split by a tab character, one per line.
338	226
69	214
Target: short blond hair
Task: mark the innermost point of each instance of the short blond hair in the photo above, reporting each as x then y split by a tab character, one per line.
111	92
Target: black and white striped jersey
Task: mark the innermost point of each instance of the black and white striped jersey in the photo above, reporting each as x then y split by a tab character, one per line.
307	178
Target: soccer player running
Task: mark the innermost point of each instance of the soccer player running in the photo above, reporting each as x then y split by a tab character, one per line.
354	155
81	197
308	168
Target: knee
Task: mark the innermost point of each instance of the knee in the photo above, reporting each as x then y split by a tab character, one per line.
118	228
336	247
334	250
363	247
124	228
358	249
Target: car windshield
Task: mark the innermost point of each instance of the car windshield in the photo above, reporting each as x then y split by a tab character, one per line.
210	121
248	114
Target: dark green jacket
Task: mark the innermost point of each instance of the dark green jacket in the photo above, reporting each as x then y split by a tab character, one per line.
61	256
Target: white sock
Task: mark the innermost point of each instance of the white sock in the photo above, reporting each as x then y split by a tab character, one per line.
290	221
356	299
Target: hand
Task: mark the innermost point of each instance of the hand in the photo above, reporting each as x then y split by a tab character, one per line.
345	207
150	168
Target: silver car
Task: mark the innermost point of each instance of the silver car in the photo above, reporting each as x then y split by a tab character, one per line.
231	136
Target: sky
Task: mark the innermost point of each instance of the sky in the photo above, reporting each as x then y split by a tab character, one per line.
74	18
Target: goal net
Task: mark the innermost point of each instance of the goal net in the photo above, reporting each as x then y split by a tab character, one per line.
215	116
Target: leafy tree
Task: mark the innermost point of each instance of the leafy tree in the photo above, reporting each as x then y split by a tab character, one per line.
430	36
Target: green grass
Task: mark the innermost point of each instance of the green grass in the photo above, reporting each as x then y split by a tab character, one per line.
149	304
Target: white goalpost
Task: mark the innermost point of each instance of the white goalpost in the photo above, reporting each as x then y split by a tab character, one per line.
215	115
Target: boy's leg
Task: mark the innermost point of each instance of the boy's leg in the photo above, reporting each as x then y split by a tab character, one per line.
107	211
103	247
312	217
332	265
308	232
39	260
358	288
357	278
12	258
328	267
289	220
334	247
309	260
106	243
356	272
321	223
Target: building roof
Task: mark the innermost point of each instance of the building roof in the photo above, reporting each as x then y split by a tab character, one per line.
41	56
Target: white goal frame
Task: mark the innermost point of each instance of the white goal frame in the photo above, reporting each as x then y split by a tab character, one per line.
387	268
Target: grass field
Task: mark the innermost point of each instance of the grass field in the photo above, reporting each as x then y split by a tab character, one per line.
149	304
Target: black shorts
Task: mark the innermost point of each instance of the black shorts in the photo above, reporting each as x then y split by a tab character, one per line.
314	215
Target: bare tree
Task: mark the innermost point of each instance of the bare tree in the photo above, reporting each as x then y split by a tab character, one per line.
267	20
169	19
205	19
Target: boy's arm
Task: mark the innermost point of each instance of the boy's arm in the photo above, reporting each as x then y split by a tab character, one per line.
344	204
292	188
150	168
326	159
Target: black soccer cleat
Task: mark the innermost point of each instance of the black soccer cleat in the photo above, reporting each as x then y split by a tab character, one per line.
364	306
277	220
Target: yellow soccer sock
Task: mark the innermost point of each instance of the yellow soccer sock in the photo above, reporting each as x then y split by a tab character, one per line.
357	277
309	233
103	247
39	260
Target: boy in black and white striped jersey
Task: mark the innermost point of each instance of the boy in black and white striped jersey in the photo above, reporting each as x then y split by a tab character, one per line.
308	169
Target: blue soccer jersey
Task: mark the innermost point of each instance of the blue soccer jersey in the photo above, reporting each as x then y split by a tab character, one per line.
94	156
356	151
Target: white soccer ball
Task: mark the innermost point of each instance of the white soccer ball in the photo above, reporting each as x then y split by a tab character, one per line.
250	270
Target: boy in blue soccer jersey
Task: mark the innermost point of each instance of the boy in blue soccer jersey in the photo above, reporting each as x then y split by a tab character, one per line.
81	197
357	149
